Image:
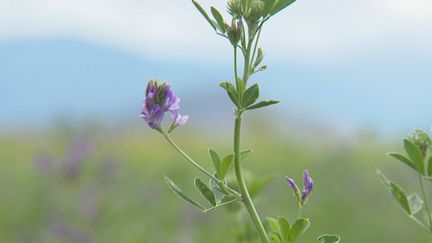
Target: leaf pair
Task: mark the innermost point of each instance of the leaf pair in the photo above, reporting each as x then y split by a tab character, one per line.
411	204
249	97
218	24
224	165
212	194
415	159
281	231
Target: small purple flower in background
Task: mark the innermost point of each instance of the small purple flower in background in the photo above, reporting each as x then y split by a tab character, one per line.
75	158
159	99
307	190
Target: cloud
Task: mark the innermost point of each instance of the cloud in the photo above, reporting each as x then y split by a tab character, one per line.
307	30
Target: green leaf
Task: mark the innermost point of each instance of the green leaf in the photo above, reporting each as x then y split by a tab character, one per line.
273	225
404	159
262	104
250	95
257	185
415	203
217	192
204	14
245	153
275	237
231	91
415	155
429	170
226	165
219	19
280	5
205	191
327	238
284	227
297	229
268	5
216	161
397	192
180	193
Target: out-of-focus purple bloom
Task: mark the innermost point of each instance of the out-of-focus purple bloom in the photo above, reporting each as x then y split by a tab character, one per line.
44	163
160	99
307	190
74	159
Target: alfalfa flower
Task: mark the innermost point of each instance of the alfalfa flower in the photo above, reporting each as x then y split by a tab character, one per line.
159	98
303	196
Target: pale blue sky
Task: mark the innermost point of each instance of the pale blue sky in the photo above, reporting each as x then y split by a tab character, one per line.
367	63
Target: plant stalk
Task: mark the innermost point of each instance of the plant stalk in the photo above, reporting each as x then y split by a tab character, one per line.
426	201
242	184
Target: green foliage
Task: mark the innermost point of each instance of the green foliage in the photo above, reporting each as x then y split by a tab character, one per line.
205	191
245	153
397	193
298	228
281	230
231	91
262	104
205	15
226	165
216	161
250	96
415	203
180	193
429	170
328	238
284	228
403	159
219	20
280	5
415	155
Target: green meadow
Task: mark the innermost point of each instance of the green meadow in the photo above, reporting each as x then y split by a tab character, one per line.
116	192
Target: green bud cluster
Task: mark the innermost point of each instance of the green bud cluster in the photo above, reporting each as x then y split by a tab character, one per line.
421	139
235	8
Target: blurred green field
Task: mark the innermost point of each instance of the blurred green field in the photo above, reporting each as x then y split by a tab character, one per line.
117	192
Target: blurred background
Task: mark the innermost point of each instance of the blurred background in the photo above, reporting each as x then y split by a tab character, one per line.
78	165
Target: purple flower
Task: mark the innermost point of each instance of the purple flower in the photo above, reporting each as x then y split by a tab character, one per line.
160	99
179	120
308	185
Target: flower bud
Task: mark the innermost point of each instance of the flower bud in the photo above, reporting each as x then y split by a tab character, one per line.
235	31
303	196
421	139
234	8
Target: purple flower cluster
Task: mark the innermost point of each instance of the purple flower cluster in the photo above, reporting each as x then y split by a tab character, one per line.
159	98
307	190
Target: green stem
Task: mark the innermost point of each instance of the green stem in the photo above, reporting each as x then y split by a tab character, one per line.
426	200
199	167
242	184
299	212
419	223
256	44
247	63
235	69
